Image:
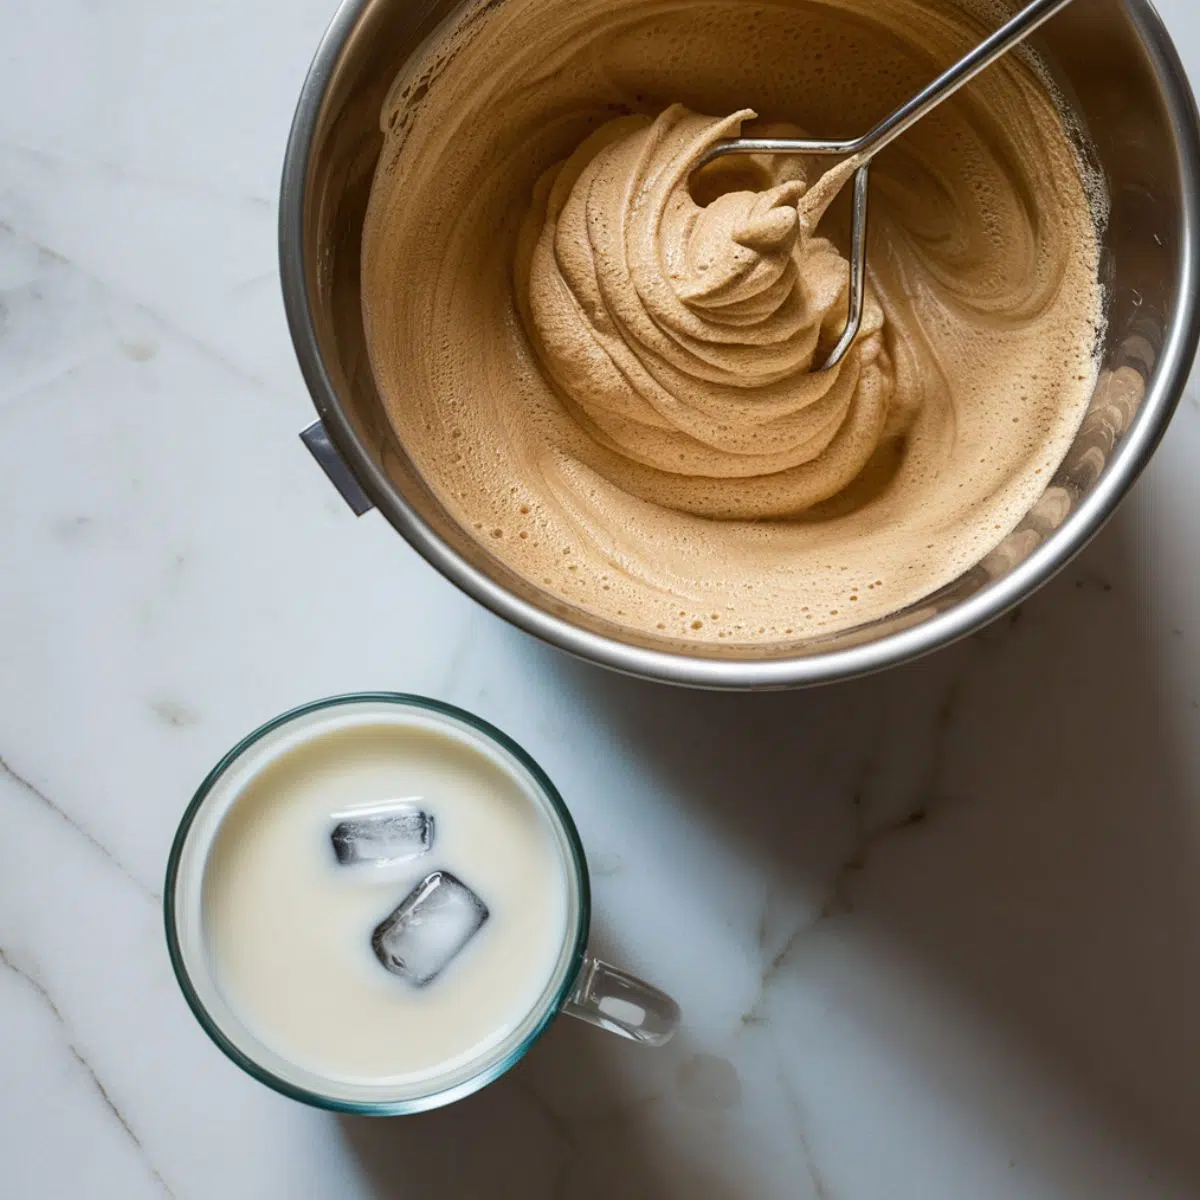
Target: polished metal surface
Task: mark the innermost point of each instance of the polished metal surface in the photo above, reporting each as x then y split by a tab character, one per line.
334	465
1008	37
1114	63
858	268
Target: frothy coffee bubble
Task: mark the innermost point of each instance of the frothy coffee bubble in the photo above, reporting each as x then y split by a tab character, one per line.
605	375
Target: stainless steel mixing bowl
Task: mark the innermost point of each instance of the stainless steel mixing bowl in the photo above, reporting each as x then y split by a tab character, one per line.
1124	81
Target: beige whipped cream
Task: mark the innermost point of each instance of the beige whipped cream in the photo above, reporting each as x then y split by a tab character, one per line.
606	373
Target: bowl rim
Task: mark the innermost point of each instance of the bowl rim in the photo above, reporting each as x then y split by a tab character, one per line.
1163	393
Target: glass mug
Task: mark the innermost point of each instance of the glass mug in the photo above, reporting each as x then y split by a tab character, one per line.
579	984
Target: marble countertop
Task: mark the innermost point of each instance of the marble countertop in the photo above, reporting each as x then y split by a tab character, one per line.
936	934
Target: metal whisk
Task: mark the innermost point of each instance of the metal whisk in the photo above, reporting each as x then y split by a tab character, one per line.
891	127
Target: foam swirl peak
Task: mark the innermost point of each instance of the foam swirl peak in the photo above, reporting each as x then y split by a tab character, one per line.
683	334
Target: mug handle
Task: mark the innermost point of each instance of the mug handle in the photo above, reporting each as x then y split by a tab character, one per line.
622	1004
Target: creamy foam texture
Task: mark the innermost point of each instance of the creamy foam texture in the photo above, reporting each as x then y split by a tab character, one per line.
288	931
605	372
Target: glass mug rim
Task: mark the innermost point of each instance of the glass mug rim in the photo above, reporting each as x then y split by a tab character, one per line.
438	1095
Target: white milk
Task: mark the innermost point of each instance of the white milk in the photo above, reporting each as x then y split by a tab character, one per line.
288	930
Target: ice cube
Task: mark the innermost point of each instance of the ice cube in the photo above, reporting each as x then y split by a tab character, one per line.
430	926
382	833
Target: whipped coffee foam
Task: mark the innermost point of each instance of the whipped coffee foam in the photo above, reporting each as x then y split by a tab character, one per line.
605	373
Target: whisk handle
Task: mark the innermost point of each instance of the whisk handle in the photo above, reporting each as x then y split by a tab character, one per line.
1015	31
1008	36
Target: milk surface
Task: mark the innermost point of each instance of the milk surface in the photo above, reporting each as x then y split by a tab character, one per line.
288	930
